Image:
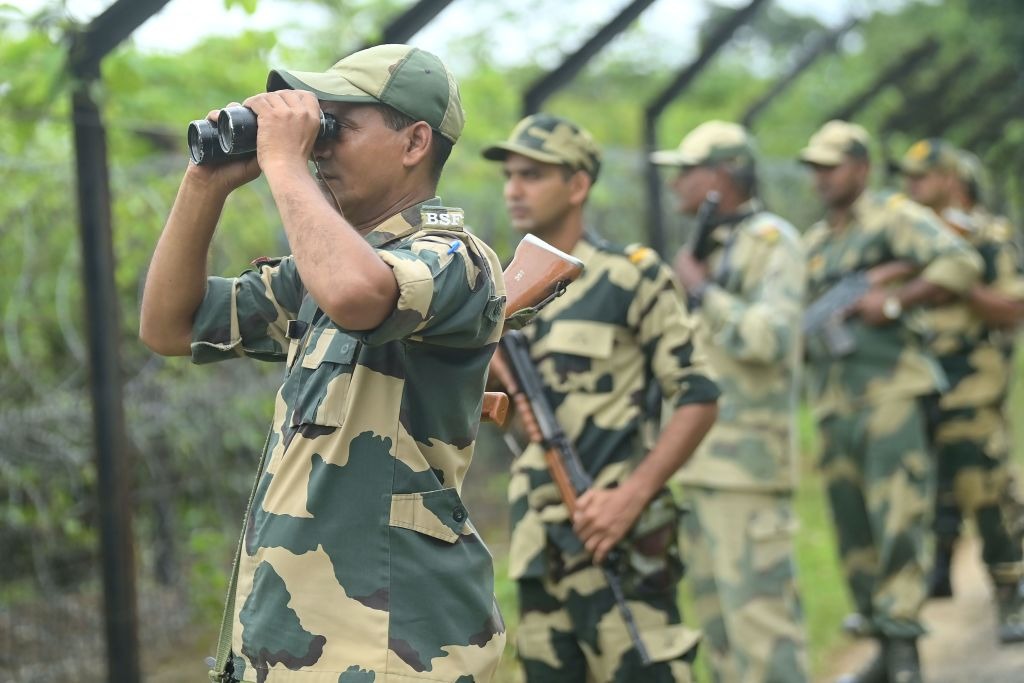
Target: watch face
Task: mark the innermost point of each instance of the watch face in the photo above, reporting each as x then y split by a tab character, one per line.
892	308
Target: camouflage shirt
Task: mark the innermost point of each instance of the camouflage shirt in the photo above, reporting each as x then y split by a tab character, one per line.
618	328
749	329
889	361
359	560
974	356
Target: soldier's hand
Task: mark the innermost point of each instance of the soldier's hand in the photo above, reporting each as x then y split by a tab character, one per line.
870	307
691	272
289	121
228	176
603	517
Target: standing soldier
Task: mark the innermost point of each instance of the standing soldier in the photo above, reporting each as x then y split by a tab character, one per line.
618	329
358	561
970	433
867	389
748	288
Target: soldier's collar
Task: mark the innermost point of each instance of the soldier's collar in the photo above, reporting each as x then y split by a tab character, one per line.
425	215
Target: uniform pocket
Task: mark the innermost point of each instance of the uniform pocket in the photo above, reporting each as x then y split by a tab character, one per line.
323	378
581	352
439	513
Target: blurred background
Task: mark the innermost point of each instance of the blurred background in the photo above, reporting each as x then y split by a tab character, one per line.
637	74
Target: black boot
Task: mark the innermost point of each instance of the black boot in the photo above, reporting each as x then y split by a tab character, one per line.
1010	603
902	662
876	670
858	625
940	584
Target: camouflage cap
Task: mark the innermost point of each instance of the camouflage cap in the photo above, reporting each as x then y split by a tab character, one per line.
709	143
834	142
552	140
929	155
411	80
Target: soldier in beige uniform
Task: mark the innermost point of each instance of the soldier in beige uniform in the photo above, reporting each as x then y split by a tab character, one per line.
748	295
969	430
867	395
619	329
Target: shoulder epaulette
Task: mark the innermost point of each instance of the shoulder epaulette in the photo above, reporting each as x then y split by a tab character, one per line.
640	256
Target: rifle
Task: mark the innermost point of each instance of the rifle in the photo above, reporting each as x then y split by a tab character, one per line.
699	244
537	274
514	368
827	314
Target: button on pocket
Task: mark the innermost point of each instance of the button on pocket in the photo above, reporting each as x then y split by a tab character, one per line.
324	377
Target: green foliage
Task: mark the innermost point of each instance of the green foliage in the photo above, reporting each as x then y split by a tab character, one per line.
195	433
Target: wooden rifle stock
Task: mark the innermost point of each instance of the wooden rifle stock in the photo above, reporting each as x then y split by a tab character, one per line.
537	274
504	374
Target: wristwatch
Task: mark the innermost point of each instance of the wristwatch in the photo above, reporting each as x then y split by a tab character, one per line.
892	309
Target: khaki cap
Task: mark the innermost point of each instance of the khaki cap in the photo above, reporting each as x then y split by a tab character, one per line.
929	155
834	142
709	143
551	140
411	80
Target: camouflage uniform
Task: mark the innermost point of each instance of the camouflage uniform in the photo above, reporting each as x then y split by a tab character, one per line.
739	532
875	454
971	434
360	562
619	327
969	430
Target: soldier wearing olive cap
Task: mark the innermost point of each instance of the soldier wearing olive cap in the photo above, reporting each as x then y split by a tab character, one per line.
358	561
616	331
875	453
968	336
749	291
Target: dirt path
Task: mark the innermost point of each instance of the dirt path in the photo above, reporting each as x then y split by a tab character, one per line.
962	645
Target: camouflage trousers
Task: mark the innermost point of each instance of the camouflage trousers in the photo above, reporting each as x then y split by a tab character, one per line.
572	631
971	449
739	547
880	481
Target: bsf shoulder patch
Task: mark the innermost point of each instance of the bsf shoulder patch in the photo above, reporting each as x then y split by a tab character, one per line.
769	232
638	254
439	216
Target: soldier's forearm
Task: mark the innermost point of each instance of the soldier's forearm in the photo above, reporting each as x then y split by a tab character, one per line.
176	279
995	308
679	439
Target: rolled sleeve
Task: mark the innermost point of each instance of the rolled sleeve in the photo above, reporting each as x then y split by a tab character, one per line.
665	330
443	295
247	315
947	260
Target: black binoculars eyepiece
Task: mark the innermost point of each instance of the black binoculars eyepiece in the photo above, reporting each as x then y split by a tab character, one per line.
234	135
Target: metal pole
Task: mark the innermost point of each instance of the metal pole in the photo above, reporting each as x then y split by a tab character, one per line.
113	465
550	83
827	43
894	73
410	22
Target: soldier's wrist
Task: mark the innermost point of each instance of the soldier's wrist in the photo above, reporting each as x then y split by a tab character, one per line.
695	295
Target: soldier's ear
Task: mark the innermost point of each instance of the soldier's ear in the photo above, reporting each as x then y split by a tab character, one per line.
418	137
579	187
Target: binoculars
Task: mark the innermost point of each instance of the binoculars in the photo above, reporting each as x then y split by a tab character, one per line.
234	135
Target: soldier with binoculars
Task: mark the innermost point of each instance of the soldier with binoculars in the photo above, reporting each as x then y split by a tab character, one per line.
359	558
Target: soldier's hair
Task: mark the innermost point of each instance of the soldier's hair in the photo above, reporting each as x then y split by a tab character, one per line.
440	146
